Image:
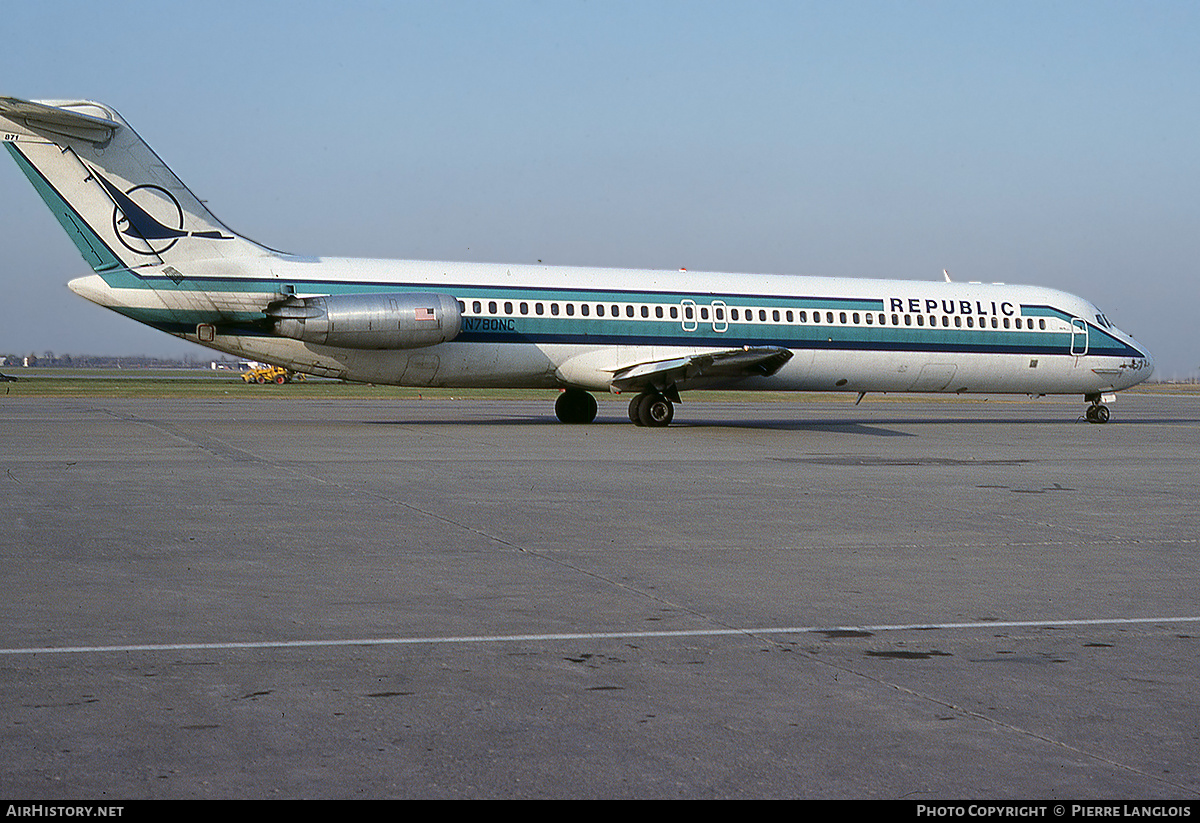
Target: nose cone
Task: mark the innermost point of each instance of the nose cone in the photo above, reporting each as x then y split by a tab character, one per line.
1139	368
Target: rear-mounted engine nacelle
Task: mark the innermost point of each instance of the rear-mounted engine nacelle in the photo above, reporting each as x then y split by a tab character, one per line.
369	321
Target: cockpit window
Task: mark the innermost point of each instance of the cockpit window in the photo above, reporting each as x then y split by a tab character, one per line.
1102	320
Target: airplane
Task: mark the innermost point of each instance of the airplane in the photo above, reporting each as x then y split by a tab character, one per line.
162	258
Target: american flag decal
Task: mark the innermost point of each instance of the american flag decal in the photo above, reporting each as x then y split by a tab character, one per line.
425	314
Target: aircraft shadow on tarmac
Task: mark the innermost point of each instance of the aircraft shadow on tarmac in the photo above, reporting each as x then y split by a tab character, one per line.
874	428
885	427
848	427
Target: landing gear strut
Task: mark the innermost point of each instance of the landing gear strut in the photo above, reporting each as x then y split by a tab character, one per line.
575	406
651	409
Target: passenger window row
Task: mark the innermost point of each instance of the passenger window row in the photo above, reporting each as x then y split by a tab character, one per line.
690	311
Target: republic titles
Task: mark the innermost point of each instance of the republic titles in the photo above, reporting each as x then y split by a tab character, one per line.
973	308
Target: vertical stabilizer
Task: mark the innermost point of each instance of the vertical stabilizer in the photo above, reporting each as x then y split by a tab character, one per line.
119	203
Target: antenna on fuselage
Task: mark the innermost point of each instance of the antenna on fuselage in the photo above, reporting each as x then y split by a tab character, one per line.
946	275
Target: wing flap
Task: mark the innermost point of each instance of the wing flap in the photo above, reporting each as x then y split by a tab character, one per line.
750	361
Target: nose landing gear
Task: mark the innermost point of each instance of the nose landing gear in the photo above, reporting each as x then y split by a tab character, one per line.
1097	412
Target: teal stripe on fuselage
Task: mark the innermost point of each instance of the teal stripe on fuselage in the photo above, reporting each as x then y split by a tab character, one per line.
606	331
1046	311
638	331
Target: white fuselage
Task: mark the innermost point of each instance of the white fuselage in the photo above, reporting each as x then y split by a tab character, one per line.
545	326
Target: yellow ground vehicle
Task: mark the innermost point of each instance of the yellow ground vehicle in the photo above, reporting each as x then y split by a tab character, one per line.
271	374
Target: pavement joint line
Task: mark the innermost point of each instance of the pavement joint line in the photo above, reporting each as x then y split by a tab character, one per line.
614	635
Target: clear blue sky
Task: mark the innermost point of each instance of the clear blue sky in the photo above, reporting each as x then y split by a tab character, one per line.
1049	143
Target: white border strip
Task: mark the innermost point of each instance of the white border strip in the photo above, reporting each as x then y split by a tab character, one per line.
542	638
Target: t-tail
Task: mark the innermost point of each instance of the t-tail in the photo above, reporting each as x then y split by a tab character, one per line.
119	203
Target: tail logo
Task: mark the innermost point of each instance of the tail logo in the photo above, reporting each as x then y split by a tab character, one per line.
148	220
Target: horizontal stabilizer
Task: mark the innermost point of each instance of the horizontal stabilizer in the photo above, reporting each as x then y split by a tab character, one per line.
61	121
761	361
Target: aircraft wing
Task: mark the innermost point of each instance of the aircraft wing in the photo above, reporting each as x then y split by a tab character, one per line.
749	361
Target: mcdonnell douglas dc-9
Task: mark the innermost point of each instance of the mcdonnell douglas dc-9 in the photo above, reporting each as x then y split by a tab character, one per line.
160	257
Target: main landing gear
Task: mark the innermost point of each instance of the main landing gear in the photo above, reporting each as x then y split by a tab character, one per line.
575	406
1097	412
651	409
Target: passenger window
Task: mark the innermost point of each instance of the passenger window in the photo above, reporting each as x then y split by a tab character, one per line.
492	307
508	308
554	309
524	308
789	317
476	307
803	317
762	315
658	312
870	319
645	311
537	307
775	315
570	310
842	318
674	312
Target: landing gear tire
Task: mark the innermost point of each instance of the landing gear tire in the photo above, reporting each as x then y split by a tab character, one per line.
654	410
1097	413
575	406
635	416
